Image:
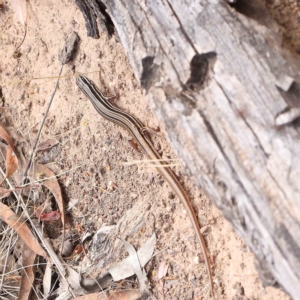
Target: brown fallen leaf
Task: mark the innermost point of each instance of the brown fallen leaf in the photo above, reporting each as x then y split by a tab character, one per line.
4	135
123	295
11	161
78	249
28	272
133	144
52	185
17	224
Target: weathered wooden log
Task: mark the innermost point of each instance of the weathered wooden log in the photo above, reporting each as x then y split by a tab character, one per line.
227	92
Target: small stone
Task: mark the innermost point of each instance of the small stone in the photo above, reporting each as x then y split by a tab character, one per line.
148	206
196	260
217	282
27	50
204	229
110	186
17	54
171	196
241	290
191	276
68	181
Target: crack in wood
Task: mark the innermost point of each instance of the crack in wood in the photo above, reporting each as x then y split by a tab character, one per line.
91	10
182	28
89	17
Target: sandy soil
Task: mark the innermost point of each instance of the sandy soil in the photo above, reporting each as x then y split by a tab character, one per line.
98	188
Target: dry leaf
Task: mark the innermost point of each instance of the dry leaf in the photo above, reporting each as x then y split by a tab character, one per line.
9	271
162	270
70	286
11	162
52	185
123	269
161	273
123	295
133	144
47	144
17	224
19	6
4	135
47	280
136	266
78	249
28	272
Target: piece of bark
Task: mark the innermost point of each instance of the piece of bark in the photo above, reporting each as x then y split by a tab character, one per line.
69	50
89	17
91	10
218	79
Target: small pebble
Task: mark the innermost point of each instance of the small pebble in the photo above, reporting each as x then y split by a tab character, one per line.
241	290
204	229
196	260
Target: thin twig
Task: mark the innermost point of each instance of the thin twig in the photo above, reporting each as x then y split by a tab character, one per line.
41	128
23	38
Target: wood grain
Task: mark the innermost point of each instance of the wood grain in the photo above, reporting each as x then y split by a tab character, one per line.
217	79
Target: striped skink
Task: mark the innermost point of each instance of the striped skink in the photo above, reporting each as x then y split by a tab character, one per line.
137	130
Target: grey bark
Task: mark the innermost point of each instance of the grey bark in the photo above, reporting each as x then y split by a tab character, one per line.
227	93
